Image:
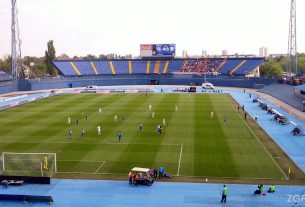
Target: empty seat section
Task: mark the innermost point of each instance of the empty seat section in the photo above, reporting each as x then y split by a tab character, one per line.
152	67
84	67
250	65
162	66
65	68
103	67
230	65
2	73
139	67
174	66
121	66
4	76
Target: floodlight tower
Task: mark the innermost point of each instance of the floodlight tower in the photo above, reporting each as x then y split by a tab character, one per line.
16	44
292	66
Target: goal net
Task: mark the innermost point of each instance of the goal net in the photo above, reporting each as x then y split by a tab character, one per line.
28	164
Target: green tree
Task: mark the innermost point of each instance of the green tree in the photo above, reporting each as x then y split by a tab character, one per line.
5	65
301	63
50	55
271	69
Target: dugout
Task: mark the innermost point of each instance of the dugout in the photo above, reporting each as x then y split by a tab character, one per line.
154	82
27	179
192	89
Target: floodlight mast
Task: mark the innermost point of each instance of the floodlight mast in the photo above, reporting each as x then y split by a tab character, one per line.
292	65
17	71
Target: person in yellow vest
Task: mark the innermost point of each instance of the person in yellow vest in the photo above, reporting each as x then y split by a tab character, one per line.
224	194
45	162
271	189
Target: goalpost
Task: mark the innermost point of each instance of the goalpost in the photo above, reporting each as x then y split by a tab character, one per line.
28	164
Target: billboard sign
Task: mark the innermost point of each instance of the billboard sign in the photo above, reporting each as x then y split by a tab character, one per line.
151	50
146	47
165	49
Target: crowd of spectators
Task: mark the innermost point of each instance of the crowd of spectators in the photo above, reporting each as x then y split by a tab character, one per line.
201	65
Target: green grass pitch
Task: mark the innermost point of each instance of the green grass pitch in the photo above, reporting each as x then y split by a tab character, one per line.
191	144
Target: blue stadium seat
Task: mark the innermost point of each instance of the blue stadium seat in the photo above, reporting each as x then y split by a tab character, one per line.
174	65
103	67
250	65
229	66
121	66
151	68
139	67
84	67
4	76
65	68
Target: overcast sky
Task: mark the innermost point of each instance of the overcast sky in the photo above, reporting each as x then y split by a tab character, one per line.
80	27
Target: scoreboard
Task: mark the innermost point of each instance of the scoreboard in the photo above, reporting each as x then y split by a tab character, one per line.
153	50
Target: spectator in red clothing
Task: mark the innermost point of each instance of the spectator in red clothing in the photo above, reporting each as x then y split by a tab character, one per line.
135	179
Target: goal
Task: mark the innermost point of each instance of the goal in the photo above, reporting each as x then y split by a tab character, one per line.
28	164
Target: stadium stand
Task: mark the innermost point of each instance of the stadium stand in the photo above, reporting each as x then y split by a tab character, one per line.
4	76
84	67
103	67
121	67
138	67
173	66
230	65
248	66
286	95
65	68
225	66
203	65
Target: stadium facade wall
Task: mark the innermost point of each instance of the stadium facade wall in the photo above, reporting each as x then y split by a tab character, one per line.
74	82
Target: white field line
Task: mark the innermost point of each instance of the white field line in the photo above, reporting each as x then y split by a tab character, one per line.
106	142
259	141
25	153
22	171
100	167
187	176
89	161
79	161
204	177
181	149
88	173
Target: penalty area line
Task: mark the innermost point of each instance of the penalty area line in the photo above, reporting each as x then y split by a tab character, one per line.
99	161
101	165
181	149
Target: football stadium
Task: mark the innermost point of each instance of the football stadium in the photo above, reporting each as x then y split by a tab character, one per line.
157	129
